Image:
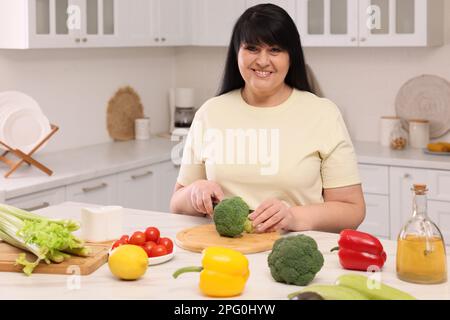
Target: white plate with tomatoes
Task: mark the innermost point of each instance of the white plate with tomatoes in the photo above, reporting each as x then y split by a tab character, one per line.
159	249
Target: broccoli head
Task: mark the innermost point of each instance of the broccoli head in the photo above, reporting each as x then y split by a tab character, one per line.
295	260
231	217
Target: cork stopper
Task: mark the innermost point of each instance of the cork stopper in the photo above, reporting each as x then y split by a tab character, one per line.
420	189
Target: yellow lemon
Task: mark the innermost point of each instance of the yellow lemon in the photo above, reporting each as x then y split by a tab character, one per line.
128	262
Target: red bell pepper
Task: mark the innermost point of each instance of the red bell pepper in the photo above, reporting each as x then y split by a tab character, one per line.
359	250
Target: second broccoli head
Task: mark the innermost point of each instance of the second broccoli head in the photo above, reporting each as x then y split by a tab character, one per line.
231	217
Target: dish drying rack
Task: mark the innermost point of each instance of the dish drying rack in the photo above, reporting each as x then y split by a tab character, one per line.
26	157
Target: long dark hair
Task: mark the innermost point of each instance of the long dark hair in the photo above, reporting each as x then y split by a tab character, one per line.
265	24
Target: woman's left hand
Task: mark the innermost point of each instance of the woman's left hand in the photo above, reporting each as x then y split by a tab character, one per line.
272	215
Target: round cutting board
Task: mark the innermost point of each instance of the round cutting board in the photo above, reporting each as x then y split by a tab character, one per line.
200	237
425	97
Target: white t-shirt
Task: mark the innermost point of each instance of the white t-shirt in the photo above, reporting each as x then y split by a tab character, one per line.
290	152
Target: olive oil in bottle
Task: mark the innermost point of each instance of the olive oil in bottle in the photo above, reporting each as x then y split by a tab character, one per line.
421	256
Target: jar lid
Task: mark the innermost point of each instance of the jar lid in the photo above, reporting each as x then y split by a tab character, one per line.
390	117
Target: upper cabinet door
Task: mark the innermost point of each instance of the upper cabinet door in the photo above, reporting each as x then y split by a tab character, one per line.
328	23
72	23
288	5
400	23
174	22
140	20
213	21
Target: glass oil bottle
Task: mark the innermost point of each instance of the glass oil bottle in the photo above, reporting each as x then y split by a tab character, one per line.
421	256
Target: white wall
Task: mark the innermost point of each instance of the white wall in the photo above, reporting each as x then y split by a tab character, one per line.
363	82
73	86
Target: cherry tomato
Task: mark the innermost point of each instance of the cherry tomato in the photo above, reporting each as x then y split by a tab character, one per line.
116	244
166	242
152	234
138	238
158	250
148	247
124	239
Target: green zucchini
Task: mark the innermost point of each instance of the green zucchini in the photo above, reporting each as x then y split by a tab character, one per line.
331	292
379	291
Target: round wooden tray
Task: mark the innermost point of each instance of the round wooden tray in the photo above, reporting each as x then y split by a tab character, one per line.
200	237
425	97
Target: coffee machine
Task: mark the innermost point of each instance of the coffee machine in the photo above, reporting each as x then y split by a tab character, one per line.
182	110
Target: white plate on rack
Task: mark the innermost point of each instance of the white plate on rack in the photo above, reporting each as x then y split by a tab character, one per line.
23	128
22	123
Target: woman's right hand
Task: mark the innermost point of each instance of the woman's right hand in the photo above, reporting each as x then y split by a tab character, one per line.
203	194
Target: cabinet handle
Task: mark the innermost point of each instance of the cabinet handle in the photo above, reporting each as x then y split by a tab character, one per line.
163	39
77	40
363	39
137	176
177	165
100	186
353	39
85	40
156	39
41	206
406	176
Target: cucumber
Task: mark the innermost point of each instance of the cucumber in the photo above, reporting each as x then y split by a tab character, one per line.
380	292
331	292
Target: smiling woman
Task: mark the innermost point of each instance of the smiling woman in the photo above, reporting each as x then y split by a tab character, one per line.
315	183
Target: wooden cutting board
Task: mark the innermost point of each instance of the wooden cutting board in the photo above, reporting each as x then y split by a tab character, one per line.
200	237
74	265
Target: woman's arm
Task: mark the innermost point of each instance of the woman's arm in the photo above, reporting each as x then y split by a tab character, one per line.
344	208
196	198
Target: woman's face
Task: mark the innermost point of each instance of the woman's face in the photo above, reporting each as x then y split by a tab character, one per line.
263	67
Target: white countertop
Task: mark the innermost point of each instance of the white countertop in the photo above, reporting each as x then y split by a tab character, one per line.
75	165
158	283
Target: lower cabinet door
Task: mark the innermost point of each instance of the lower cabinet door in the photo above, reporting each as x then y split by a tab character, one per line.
137	188
100	191
38	200
377	216
167	177
439	212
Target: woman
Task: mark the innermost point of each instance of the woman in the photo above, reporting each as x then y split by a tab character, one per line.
307	178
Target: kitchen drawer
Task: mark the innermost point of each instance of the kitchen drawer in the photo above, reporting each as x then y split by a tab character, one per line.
439	212
377	215
375	179
137	188
101	191
39	200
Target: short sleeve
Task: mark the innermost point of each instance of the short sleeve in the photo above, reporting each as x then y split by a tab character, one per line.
339	164
192	166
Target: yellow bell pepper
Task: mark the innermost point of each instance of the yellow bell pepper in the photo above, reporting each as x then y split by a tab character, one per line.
223	273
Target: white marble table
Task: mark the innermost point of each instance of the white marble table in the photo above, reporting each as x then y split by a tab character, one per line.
158	282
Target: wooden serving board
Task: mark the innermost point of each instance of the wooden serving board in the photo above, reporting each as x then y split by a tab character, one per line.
74	265
200	237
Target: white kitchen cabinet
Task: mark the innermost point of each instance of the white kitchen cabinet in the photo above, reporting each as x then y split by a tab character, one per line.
375	185
157	22
167	177
39	200
59	23
137	188
101	191
213	21
328	23
439	212
370	23
376	221
288	5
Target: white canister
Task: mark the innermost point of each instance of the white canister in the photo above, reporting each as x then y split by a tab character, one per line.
387	125
142	128
419	133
